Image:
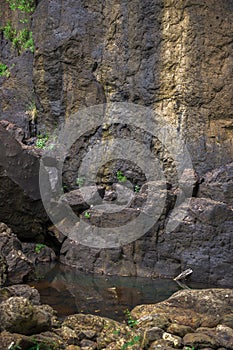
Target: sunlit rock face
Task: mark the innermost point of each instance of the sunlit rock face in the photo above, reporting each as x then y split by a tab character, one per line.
173	57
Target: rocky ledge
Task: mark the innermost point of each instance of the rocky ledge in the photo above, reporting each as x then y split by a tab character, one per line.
189	319
17	259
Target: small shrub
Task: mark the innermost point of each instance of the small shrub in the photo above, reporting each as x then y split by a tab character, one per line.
32	111
9	32
135	340
80	181
130	320
121	177
4	70
42	141
39	247
23	41
27	6
87	215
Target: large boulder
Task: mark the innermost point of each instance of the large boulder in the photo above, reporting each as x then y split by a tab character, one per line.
190	308
98	332
218	184
19	315
18	267
21	207
192	318
20	290
38	253
201	241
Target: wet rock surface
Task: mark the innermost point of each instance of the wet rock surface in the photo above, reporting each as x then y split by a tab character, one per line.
165	325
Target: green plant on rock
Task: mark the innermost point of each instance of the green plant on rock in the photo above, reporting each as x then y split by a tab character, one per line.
4	70
23	41
87	215
80	181
132	323
136	188
42	141
121	177
135	340
32	111
9	32
27	6
39	247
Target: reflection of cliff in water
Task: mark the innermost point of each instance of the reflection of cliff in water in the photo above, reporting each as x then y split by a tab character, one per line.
69	291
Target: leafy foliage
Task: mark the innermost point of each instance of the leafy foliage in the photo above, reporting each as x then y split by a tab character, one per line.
4	70
130	320
121	177
87	215
21	40
41	141
37	346
135	340
80	181
9	32
27	6
39	247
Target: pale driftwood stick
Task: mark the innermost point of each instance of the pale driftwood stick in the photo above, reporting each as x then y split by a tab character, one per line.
183	274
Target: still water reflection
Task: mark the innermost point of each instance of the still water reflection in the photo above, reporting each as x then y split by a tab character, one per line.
69	291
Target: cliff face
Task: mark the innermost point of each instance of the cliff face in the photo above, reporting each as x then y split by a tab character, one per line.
172	56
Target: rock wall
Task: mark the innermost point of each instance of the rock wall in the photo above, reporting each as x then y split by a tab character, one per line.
172	56
16	91
20	203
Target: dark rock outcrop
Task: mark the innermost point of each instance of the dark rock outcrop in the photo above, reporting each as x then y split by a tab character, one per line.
20	290
38	253
202	241
18	267
3	270
21	207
